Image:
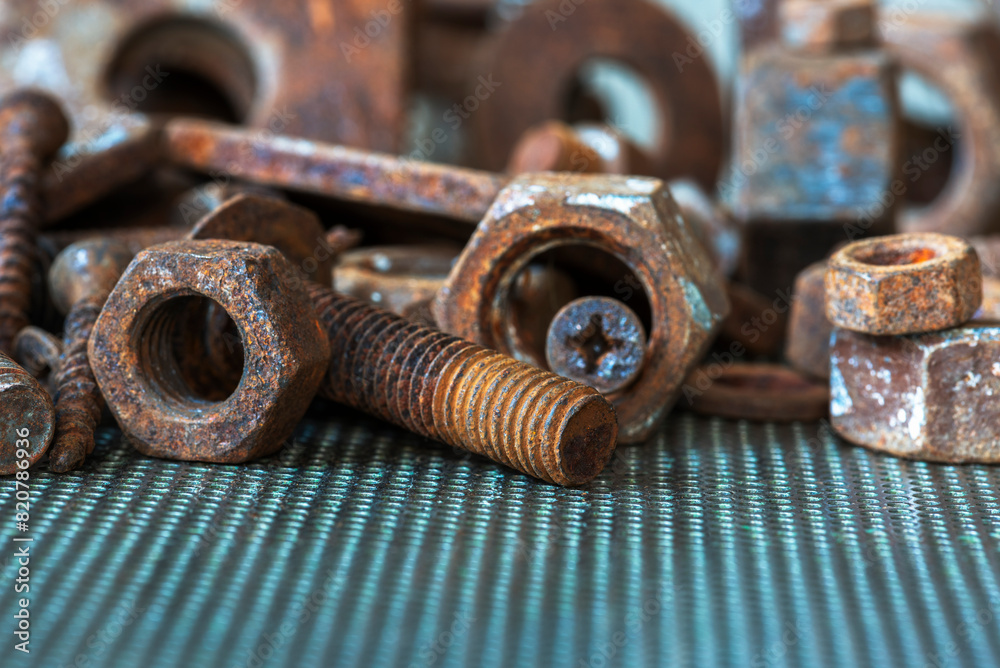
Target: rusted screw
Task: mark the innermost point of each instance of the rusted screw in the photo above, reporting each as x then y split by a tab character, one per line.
37	350
32	127
80	280
26	415
597	341
463	394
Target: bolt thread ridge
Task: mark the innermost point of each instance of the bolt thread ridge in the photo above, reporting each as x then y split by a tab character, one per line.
457	392
78	399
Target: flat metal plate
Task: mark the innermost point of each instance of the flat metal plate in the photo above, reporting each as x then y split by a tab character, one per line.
716	543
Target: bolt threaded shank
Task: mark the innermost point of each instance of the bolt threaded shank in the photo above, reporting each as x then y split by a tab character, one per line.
463	394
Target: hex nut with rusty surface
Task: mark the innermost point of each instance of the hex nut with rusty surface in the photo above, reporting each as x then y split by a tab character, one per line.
135	362
808	344
934	396
631	219
903	284
27	416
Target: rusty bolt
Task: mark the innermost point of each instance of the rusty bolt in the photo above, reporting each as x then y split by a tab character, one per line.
134	354
808	345
933	396
464	395
597	341
824	26
80	280
38	351
903	284
27	417
658	266
761	392
32	128
394	277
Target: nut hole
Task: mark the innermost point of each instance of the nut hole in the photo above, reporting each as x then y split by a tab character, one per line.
887	257
191	352
554	278
183	66
606	90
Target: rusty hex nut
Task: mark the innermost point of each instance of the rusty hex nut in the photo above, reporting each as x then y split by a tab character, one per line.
933	396
134	356
632	220
903	284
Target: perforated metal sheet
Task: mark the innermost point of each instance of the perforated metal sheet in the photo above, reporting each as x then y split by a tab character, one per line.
717	543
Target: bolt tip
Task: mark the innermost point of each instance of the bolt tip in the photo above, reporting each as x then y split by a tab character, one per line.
587	441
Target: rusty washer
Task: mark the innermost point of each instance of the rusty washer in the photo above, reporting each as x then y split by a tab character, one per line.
135	362
903	284
761	392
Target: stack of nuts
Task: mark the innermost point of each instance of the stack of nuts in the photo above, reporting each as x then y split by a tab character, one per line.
913	372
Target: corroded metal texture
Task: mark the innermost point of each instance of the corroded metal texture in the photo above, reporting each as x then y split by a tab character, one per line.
379	180
903	284
934	396
761	392
815	157
957	54
80	280
394	277
808	346
536	68
32	128
26	415
135	360
597	341
464	395
630	220
334	71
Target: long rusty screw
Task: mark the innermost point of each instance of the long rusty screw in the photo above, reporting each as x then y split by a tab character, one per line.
80	280
32	128
448	389
26	417
462	394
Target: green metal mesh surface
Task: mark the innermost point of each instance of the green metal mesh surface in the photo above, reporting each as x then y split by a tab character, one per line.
717	543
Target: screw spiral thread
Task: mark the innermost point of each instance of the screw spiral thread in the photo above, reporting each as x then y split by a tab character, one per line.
78	398
462	394
19	214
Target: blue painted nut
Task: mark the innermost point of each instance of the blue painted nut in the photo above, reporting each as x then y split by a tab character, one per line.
616	236
934	396
815	156
137	342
